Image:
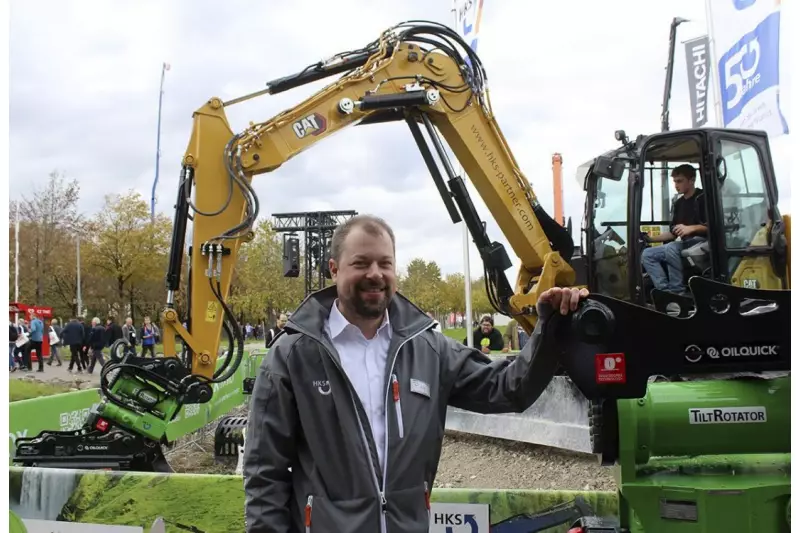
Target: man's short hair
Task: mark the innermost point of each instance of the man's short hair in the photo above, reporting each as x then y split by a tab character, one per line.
487	318
370	223
687	171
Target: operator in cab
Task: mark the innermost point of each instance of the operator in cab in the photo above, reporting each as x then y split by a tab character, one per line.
687	228
348	408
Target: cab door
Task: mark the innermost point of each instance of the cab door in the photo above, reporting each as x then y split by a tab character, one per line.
743	205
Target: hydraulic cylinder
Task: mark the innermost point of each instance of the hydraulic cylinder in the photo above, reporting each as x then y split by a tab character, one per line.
713	417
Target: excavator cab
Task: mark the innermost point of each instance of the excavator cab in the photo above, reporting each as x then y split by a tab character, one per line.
630	194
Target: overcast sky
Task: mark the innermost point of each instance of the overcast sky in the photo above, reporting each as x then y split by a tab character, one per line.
84	79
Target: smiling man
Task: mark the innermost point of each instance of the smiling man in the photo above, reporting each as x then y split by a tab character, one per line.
348	410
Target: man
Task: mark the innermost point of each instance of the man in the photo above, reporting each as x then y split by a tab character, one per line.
36	335
98	339
73	335
515	337
348	409
270	336
487	337
55	328
688	227
129	334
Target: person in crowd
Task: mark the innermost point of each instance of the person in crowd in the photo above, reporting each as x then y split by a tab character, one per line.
55	335
129	334
36	336
72	336
486	337
514	337
272	333
148	335
98	339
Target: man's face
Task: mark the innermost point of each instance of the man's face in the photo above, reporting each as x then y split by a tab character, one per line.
365	273
682	184
282	321
486	327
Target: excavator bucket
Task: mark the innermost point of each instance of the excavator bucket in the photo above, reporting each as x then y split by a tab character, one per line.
228	436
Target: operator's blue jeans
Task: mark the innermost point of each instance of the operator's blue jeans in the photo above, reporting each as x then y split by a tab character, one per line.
663	264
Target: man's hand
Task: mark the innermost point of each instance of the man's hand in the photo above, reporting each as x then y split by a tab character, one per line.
485	349
682	230
505	349
564	299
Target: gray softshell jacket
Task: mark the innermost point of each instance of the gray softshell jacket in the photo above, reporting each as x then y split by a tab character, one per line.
305	415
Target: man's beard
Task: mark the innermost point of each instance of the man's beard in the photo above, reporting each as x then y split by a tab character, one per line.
370	308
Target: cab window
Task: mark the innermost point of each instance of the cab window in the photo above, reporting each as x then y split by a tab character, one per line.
745	206
610	237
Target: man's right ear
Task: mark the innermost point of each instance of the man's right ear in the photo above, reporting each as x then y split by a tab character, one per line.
334	268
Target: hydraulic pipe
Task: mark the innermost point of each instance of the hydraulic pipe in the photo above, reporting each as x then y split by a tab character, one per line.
719	417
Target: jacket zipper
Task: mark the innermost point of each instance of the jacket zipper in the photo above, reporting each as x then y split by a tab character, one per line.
308	513
386	418
398	409
380	486
365	442
428	501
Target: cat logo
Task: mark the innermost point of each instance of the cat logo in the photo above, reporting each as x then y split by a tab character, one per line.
312	124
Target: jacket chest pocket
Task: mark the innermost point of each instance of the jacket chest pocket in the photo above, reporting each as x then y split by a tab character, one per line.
411	401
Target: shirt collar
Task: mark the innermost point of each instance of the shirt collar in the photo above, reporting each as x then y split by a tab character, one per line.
338	323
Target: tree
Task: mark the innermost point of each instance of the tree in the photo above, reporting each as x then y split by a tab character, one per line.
423	284
480	300
259	289
127	248
50	215
453	299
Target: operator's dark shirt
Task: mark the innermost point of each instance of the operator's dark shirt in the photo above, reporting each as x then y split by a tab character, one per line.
689	211
494	338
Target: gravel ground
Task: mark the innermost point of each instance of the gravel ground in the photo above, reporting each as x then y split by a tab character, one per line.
468	461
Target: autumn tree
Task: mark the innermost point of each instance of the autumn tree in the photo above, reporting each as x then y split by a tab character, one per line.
453	297
128	249
422	284
259	289
49	219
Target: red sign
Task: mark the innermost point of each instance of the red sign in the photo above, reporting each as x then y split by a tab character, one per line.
609	368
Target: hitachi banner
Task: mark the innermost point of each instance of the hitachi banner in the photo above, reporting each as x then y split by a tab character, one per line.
698	63
746	35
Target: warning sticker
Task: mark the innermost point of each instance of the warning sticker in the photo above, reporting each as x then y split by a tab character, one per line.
211	311
609	368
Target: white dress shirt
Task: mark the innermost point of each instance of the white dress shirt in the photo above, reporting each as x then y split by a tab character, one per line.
364	362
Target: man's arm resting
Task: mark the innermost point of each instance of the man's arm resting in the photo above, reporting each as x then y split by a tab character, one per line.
270	448
485	386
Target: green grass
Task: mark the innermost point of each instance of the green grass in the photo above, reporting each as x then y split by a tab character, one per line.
456	333
21	389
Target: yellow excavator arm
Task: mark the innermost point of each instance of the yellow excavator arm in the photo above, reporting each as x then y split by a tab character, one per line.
413	72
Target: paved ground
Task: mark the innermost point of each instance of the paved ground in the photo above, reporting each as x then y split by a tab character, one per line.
58	373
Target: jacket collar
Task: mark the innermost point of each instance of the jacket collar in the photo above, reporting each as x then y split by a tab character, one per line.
404	317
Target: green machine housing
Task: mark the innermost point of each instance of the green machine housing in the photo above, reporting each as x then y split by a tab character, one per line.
698	422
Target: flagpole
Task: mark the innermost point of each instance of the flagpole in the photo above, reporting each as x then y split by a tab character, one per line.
714	74
465	236
78	295
16	260
164	68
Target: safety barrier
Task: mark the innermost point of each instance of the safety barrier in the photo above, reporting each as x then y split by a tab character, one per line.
118	502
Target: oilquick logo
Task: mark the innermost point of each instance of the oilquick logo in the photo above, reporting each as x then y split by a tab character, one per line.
459	518
310	125
694	354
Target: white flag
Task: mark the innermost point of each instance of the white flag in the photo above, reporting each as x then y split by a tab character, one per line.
746	35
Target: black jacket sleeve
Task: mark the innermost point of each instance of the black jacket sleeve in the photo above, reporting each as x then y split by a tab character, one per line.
270	446
480	384
496	340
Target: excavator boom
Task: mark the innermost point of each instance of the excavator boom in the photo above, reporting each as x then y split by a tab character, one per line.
420	72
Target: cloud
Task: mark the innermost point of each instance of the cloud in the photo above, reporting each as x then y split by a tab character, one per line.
84	80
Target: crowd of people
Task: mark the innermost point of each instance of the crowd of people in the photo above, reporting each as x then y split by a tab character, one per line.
84	342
